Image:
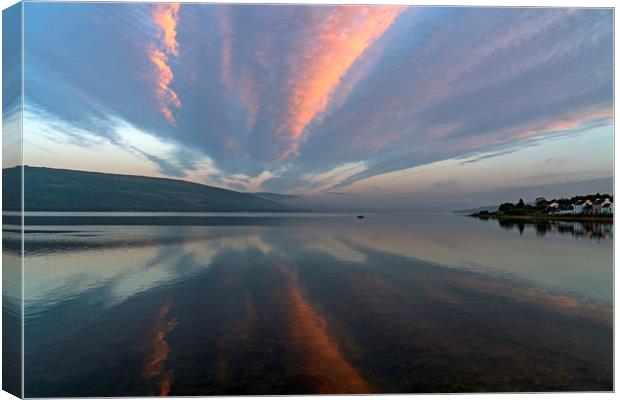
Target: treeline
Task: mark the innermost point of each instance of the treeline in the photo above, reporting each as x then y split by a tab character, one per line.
542	206
520	208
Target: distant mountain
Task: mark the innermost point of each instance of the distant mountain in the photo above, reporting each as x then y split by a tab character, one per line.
274	196
476	210
48	189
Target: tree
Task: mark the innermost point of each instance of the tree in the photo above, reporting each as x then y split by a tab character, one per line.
520	204
541	202
506	207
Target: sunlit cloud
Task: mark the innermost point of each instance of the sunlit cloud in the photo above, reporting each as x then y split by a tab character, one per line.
135	151
165	16
165	95
333	43
584	119
306	100
254	184
328	179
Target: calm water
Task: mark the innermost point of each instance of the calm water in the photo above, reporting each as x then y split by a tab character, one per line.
264	304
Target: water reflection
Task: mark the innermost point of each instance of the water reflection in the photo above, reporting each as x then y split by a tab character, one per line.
11	313
157	352
386	305
585	229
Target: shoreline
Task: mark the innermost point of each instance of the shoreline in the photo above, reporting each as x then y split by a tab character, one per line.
534	218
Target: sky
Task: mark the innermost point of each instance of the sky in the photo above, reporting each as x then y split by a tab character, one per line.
415	106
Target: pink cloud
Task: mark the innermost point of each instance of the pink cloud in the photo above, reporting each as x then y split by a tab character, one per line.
165	17
333	43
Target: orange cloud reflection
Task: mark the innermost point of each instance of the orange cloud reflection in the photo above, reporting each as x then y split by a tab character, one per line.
320	354
159	349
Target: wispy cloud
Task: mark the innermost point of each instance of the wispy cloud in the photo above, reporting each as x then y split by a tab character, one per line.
166	18
227	34
254	184
483	83
164	77
242	84
303	92
580	119
329	48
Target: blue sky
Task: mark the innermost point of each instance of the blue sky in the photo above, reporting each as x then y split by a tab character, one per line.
316	100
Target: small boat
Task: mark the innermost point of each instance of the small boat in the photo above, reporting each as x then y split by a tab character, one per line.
360	217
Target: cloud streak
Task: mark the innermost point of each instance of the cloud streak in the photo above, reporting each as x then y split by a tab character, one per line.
285	98
241	85
329	48
484	82
165	17
227	33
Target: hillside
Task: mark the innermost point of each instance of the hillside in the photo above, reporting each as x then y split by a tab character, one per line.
48	189
477	209
277	197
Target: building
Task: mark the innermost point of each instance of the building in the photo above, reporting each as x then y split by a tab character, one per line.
596	206
607	207
587	207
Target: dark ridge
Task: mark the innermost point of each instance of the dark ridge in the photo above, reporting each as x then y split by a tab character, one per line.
49	189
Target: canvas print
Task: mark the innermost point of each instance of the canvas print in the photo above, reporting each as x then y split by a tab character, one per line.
228	199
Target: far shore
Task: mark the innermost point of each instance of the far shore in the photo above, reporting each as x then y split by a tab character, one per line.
585	218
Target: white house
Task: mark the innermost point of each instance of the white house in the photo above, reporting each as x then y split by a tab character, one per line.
584	206
578	207
607	207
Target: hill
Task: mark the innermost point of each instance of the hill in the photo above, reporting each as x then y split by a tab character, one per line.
277	197
477	209
49	189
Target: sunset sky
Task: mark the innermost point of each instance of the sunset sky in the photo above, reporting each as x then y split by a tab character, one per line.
407	102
